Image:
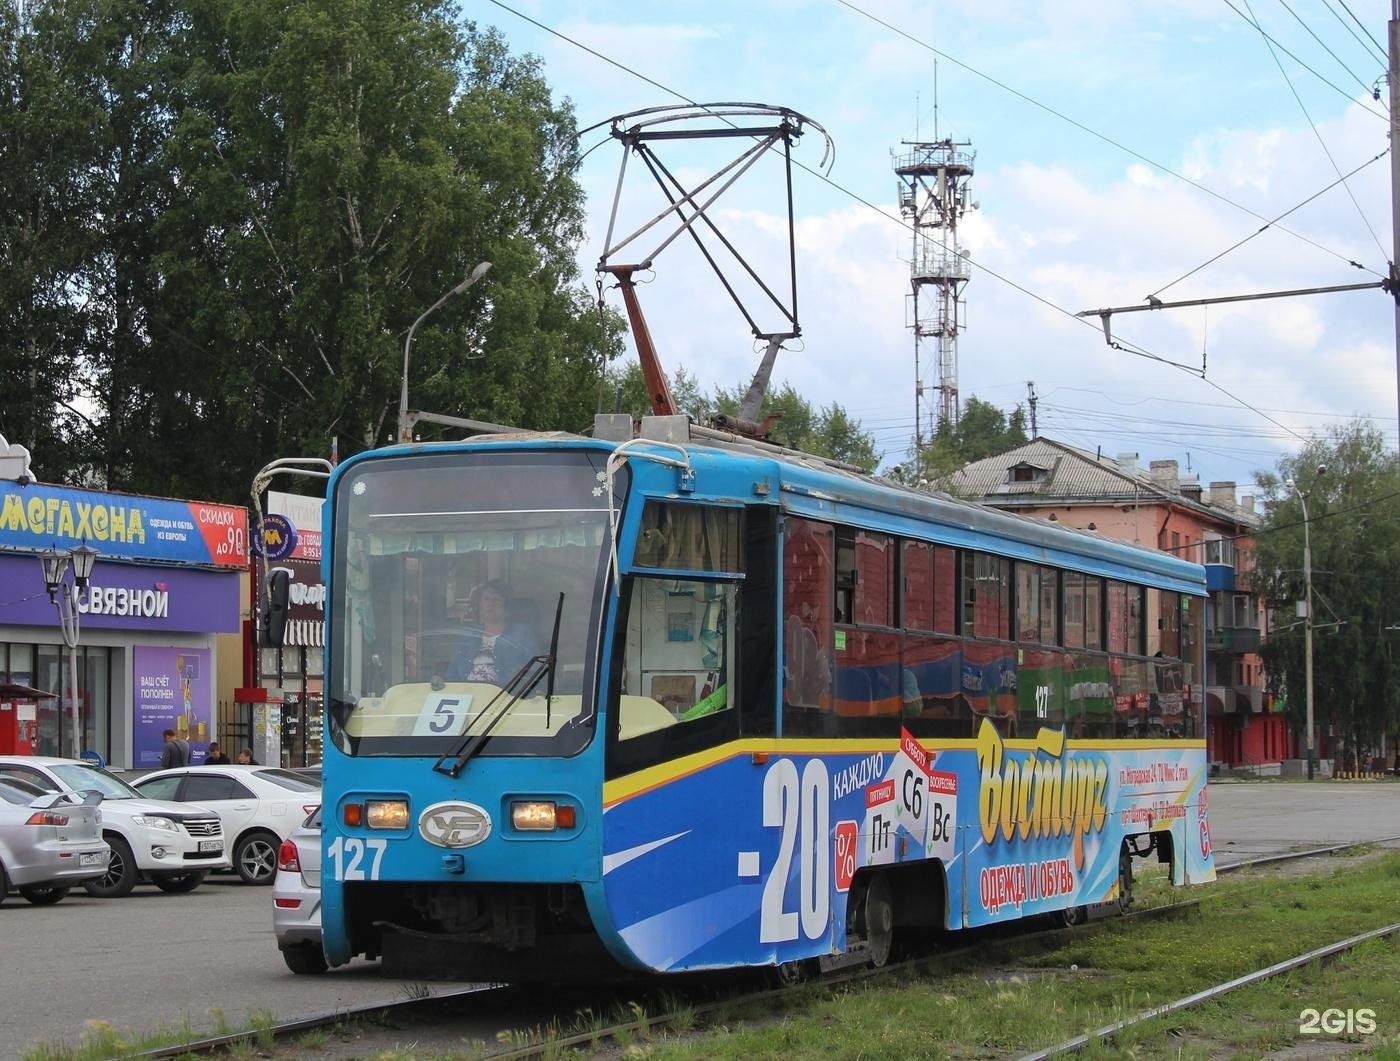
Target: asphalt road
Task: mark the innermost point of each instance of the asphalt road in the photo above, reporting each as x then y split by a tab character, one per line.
153	960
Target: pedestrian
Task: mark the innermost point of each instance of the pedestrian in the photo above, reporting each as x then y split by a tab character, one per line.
245	758
216	756
176	751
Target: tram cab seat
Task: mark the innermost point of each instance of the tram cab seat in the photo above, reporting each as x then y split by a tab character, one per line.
641	714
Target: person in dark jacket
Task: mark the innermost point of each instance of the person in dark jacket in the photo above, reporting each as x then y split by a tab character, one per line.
216	756
495	649
175	753
245	758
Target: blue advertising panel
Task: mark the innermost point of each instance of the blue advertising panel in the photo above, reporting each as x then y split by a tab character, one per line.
751	858
122	526
172	689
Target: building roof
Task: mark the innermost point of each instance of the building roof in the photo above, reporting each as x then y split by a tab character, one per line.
1044	472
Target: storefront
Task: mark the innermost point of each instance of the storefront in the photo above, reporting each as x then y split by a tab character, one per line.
165	583
282	703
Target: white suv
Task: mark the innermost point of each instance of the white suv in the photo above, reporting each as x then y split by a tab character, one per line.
173	845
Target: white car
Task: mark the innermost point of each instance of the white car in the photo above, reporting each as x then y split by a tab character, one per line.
296	898
258	805
173	845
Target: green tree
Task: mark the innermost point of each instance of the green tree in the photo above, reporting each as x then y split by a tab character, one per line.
982	430
51	129
221	218
1353	517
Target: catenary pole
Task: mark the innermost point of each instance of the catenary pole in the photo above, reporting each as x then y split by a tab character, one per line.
1394	79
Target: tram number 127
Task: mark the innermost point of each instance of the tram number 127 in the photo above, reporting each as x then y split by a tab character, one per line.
348	855
802	808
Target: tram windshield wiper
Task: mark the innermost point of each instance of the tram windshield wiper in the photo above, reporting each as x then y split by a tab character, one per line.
521	684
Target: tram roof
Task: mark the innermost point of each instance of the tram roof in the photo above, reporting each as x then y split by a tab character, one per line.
822	488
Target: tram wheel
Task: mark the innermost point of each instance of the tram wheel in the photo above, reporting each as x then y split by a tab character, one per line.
1125	880
877	919
1074	915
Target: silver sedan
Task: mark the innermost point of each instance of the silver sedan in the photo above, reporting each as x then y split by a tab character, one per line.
49	841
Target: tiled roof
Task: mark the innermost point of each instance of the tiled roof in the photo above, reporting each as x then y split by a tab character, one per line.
1062	474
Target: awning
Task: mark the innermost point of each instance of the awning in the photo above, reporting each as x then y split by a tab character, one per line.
15	691
306	632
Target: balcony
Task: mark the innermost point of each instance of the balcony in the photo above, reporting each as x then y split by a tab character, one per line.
1235	640
1220	577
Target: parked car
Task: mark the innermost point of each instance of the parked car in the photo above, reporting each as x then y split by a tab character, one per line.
49	841
173	845
259	807
296	898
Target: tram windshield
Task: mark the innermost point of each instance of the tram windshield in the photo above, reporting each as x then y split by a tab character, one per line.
446	574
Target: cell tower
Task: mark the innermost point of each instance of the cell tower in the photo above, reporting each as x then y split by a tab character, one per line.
933	196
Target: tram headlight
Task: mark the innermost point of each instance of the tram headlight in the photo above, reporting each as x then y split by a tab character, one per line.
386	813
540	815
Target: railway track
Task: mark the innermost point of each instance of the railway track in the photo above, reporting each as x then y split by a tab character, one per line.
484	1002
1312	957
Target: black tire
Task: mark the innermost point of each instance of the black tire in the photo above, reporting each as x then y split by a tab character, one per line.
306	959
178	885
44	894
4	883
121	874
255	857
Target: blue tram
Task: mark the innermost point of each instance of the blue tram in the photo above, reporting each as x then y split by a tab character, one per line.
675	703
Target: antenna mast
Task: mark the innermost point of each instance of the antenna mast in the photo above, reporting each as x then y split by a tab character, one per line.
933	196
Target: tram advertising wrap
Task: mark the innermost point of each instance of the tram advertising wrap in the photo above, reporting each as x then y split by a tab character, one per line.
1020	826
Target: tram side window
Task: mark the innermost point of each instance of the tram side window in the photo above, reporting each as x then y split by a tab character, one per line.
809	555
1093	613
688	538
930	587
1027	603
1074	609
679	650
1124	618
986	596
874	583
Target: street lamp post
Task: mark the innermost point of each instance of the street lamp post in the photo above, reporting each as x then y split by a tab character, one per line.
1308	620
67	596
476	274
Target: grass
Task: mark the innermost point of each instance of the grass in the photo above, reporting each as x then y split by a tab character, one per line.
1040	995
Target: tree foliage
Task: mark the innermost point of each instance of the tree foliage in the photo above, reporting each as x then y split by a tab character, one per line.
1353	513
982	431
224	215
827	432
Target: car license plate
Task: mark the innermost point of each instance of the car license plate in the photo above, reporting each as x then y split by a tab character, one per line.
210	845
92	858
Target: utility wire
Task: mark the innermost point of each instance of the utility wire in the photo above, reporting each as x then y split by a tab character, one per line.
1335	88
1105	138
1269	41
1364	30
1364	87
1127	347
1265	227
1370	52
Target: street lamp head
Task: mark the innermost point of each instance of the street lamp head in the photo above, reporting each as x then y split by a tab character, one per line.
84	556
1321	470
476	274
55	565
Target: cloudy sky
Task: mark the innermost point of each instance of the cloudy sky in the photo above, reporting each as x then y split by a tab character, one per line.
1118	146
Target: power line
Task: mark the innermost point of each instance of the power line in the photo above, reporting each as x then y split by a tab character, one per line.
1364	87
1125	346
1105	138
1335	88
1269	41
1265	227
1364	30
